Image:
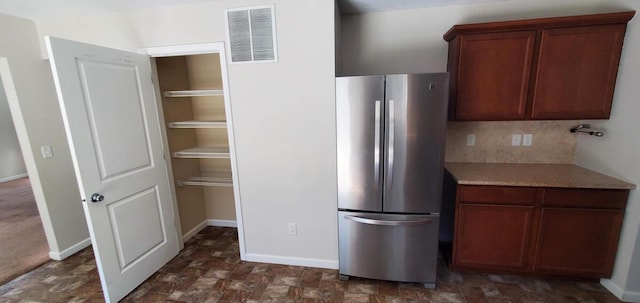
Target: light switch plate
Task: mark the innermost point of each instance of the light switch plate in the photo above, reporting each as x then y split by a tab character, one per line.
516	140
292	228
527	139
47	152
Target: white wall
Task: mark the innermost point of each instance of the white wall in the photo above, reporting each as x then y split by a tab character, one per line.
616	154
11	162
411	41
283	115
38	122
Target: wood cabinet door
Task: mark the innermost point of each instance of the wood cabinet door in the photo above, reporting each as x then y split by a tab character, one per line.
577	241
492	236
493	74
576	72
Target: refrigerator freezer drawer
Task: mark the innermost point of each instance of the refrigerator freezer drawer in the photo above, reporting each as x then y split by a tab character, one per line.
389	247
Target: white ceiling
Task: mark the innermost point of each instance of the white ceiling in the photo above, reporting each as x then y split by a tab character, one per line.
36	9
369	6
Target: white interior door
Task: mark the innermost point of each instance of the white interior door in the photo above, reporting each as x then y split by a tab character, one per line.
111	120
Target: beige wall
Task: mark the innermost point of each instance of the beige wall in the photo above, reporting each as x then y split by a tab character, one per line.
38	122
205	73
219	203
283	115
411	41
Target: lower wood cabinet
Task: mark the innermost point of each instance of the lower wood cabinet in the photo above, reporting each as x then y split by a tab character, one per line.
493	236
577	241
563	231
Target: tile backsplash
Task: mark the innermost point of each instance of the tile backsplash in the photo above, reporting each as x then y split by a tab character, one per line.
552	142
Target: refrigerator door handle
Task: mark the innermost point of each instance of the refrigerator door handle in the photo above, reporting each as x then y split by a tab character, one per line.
376	146
388	222
392	120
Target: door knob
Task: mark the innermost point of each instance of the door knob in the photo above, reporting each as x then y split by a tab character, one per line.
97	197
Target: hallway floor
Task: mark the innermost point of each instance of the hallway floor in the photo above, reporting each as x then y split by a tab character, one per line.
209	270
23	245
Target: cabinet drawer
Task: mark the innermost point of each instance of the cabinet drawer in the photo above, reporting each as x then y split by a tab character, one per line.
498	195
586	198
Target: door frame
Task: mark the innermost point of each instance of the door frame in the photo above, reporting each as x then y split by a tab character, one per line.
195	49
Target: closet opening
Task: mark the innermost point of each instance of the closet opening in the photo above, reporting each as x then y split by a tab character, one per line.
193	95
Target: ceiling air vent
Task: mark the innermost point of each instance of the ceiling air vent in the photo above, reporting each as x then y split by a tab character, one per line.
251	33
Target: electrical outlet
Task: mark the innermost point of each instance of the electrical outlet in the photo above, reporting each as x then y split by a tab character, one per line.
47	152
527	139
471	140
516	140
293	229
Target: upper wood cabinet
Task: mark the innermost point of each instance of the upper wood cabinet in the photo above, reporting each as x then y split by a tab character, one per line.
576	72
552	68
487	59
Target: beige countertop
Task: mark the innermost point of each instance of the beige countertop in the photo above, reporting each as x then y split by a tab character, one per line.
534	175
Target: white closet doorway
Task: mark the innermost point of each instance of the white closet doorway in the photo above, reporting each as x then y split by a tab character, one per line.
193	93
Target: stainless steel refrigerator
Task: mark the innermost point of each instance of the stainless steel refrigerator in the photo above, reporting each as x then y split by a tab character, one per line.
391	136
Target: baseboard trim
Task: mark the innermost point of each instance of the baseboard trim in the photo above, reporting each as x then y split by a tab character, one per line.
194	231
319	263
70	251
626	296
222	223
11	178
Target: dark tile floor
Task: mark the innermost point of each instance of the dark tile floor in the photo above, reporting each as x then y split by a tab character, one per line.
209	270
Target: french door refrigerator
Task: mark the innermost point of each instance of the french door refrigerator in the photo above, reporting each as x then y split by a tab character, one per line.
390	141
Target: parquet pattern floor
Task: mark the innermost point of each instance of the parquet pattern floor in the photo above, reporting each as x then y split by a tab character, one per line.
209	270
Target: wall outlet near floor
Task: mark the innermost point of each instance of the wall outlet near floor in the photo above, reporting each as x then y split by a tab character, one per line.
527	139
293	229
516	140
471	140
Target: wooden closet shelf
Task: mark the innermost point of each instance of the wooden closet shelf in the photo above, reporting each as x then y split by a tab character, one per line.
193	93
198	124
222	179
203	153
